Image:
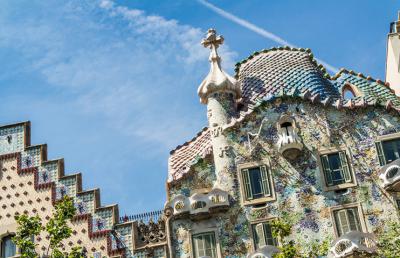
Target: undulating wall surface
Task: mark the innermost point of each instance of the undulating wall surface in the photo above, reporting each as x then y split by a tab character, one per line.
300	196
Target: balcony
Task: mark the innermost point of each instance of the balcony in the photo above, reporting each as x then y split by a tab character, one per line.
390	176
266	251
352	243
289	143
199	205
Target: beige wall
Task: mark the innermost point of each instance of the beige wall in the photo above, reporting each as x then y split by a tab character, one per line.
393	62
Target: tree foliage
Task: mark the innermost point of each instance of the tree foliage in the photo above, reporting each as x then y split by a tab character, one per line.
57	229
389	241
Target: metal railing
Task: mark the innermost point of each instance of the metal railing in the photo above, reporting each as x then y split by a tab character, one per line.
145	217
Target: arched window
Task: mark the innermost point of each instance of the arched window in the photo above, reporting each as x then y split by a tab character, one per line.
348	94
8	248
350	91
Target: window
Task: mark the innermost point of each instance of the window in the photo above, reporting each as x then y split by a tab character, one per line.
350	91
8	248
388	150
262	235
204	244
256	184
348	94
336	168
347	220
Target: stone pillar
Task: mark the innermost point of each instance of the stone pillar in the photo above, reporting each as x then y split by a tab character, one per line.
220	108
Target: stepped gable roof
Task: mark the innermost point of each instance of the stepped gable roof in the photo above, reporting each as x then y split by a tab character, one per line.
292	72
32	161
184	156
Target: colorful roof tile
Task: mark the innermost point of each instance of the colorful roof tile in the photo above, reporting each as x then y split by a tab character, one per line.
292	72
183	157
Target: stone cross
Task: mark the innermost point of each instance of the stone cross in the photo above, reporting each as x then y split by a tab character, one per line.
212	40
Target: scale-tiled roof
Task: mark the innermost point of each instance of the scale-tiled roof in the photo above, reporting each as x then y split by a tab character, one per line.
184	156
292	72
270	71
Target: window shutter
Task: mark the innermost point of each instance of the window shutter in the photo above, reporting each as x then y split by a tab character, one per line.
345	166
327	170
246	184
260	235
343	226
381	155
264	181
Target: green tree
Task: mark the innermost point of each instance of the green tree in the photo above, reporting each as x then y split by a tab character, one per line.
389	241
281	230
57	229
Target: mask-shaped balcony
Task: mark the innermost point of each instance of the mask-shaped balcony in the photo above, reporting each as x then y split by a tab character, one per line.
199	205
352	243
289	143
390	176
266	251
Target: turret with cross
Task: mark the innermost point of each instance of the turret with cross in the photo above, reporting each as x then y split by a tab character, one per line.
220	92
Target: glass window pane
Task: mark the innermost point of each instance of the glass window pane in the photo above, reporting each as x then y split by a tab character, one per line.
255	181
204	245
269	239
8	248
353	219
336	169
391	150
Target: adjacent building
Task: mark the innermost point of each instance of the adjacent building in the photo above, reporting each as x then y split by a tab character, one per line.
284	140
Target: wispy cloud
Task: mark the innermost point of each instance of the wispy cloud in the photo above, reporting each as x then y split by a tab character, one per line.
260	31
117	82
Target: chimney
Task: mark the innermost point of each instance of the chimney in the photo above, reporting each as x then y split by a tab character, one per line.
393	56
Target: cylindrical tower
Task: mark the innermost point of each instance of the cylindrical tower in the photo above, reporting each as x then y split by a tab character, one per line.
219	92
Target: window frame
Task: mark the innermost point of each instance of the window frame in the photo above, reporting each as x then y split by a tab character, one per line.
383	138
204	231
261	200
1	244
333	150
360	212
351	87
255	222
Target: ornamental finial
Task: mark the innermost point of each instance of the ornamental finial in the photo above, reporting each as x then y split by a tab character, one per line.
217	80
212	39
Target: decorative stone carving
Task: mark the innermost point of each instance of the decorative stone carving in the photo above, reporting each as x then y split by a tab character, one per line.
352	242
266	251
217	80
390	176
153	232
289	143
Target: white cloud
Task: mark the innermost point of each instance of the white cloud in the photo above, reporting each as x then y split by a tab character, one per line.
119	63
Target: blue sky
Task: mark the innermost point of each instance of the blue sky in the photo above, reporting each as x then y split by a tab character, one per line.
111	85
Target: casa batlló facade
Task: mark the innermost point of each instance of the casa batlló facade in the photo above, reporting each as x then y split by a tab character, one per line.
284	140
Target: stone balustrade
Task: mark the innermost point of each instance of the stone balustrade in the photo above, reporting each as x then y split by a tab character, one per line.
199	203
353	242
266	251
390	176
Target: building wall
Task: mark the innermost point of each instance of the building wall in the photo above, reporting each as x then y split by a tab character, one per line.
31	185
300	197
393	62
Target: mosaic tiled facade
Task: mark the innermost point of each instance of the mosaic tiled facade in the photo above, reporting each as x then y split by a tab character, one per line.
283	142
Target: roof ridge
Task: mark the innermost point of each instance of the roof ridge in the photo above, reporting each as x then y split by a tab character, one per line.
369	78
320	67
